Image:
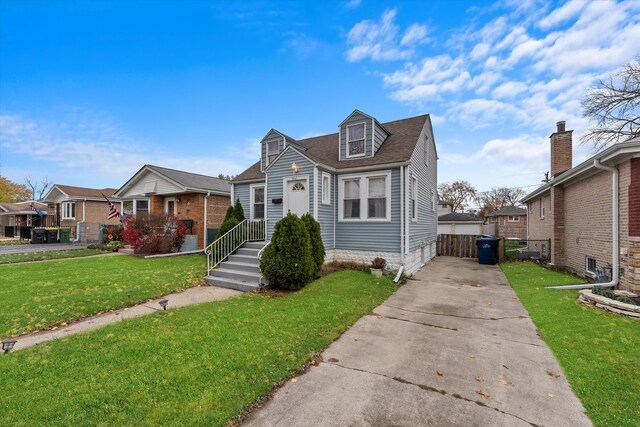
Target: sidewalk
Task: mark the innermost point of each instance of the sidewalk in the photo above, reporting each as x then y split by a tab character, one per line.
191	296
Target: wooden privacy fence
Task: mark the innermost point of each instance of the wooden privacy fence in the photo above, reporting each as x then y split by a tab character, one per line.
458	245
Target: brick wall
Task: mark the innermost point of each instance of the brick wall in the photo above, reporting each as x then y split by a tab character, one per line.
561	150
517	229
156	204
540	228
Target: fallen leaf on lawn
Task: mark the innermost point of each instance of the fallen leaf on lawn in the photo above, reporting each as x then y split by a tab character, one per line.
54	328
553	374
313	362
472	356
333	360
484	393
440	373
551	395
505	382
63	324
293	380
480	379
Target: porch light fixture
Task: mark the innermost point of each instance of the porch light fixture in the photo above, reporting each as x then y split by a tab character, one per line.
163	303
295	168
7	345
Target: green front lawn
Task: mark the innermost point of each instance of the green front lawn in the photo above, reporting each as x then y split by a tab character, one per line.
599	351
43	256
198	365
38	295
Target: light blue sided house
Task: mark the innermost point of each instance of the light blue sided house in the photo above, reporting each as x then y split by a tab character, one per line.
371	186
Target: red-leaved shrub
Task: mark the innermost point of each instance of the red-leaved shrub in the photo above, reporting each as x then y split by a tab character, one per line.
154	233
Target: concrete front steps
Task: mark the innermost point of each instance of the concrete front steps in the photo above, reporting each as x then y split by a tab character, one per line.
241	271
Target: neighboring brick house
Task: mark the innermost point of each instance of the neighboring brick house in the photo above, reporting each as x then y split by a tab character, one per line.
575	210
13	216
80	208
510	222
459	223
189	196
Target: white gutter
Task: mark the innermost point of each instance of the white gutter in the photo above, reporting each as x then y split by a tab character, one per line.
615	230
402	216
204	234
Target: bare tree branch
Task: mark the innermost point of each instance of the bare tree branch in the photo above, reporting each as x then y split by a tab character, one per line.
37	188
613	106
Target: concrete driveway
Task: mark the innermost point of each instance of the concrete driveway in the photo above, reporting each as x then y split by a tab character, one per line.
455	347
49	247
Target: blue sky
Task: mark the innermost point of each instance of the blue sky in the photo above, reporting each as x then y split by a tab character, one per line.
91	91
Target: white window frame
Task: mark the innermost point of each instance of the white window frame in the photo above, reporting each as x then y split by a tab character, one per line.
175	205
71	208
252	189
268	143
586	265
364	196
513	218
364	140
135	205
434	201
414	198
542	208
326	190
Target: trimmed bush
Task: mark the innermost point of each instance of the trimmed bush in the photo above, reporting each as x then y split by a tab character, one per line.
315	238
227	225
287	262
154	233
238	212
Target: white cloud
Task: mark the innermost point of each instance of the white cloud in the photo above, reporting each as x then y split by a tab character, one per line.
562	14
509	90
352	4
379	40
300	44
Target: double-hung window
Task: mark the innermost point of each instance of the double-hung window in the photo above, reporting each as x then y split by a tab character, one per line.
541	207
68	210
414	199
326	189
351	197
355	140
257	203
142	207
365	197
272	151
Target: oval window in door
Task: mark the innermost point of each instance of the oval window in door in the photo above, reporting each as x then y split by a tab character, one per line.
298	186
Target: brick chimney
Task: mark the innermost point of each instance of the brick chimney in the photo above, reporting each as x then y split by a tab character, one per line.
561	149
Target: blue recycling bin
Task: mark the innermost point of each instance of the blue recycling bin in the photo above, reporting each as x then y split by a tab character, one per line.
487	250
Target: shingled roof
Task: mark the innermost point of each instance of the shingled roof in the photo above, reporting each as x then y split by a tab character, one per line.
193	180
397	148
458	217
509	210
72	191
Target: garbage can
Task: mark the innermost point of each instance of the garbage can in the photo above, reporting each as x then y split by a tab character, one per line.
487	250
64	235
37	236
52	235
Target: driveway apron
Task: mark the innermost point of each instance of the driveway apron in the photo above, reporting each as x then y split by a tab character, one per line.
453	347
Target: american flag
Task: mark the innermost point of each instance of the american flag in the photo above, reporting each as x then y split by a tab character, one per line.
36	210
113	211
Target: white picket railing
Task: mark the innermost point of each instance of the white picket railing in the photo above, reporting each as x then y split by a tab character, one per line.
246	231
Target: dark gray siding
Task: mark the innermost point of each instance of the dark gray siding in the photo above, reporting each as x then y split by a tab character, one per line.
271	136
426	229
368	132
241	191
379	136
372	236
327	213
275	175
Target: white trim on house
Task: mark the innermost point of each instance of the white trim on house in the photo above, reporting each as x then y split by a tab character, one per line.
175	205
290	147
285	191
315	193
364	196
68	210
414	198
364	141
542	208
588	258
326	194
252	188
268	153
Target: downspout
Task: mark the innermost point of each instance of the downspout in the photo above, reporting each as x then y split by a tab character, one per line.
84	218
402	237
204	233
615	231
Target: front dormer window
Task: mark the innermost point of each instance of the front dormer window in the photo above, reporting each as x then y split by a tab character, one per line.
355	140
272	151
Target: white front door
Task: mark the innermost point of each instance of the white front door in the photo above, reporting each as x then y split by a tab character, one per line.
297	197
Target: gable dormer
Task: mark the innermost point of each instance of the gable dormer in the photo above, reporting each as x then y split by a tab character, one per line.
360	135
271	145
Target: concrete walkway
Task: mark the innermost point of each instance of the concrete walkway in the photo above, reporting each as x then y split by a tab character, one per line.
191	296
453	348
27	248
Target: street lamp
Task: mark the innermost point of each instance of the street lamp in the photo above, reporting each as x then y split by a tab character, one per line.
163	303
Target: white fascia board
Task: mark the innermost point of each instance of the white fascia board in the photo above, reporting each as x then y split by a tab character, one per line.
290	147
205	191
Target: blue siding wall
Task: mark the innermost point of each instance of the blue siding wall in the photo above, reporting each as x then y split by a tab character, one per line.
275	175
379	136
271	136
371	236
327	213
425	230
241	191
368	132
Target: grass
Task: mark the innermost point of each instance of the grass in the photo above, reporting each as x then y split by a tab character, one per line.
599	351
13	242
198	365
38	295
511	247
42	256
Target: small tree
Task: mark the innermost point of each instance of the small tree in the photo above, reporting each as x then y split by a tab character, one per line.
230	213
238	211
315	237
287	262
226	226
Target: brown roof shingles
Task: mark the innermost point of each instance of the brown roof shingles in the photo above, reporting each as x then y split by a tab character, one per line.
398	147
72	191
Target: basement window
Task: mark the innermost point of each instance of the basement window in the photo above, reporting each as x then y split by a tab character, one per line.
590	266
